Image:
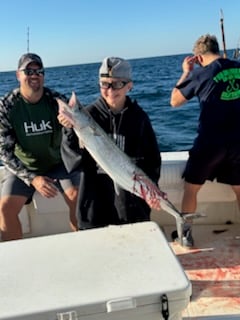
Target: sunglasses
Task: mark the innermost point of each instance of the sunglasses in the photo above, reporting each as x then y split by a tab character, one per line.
31	72
116	85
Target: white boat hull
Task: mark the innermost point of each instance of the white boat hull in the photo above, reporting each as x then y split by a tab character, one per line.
218	201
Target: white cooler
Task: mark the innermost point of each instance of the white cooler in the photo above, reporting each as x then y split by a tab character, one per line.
118	272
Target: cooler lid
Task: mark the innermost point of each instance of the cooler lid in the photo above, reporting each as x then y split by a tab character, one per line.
91	270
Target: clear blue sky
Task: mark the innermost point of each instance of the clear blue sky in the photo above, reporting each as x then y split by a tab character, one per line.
65	32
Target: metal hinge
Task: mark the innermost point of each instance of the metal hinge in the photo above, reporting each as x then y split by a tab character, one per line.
69	315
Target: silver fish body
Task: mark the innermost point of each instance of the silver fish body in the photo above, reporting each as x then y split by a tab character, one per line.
109	156
115	162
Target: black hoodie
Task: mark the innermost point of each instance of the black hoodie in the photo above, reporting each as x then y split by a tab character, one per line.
98	203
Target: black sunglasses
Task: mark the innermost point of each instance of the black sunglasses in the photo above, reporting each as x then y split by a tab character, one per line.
114	85
31	72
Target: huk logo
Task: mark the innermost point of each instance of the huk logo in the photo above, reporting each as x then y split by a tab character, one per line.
34	128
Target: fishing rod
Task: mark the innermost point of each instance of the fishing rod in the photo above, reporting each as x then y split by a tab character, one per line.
223	36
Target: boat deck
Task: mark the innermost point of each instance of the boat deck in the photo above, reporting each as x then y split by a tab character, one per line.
213	266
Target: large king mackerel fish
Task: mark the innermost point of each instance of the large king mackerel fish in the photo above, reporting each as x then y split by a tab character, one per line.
116	163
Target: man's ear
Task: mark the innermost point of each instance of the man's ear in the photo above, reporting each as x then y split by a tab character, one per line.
17	75
130	86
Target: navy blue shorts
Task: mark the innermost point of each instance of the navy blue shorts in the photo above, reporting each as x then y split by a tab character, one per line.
12	185
213	162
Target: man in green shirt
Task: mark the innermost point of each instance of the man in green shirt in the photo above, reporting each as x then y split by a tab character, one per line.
30	138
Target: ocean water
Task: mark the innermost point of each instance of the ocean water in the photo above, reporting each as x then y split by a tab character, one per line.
153	78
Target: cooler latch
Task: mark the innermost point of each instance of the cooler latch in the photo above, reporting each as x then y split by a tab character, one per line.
165	310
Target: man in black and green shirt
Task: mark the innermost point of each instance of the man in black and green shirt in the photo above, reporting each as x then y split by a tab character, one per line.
30	138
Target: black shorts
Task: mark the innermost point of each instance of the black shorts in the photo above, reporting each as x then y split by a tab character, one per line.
12	185
211	162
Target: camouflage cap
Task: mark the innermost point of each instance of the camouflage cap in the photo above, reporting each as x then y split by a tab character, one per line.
29	58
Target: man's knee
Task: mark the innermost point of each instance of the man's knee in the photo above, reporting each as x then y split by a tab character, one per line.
11	206
71	193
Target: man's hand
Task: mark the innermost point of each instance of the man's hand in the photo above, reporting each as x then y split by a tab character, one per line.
65	119
45	186
155	202
188	63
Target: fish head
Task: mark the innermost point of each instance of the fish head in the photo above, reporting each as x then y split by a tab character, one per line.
73	114
66	111
74	103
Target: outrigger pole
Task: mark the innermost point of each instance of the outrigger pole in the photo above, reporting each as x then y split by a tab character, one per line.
223	36
27	39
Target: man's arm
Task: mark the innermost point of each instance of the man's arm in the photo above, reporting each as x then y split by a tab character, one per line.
7	145
177	98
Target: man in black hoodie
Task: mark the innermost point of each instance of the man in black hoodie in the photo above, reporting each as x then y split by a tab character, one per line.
129	126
